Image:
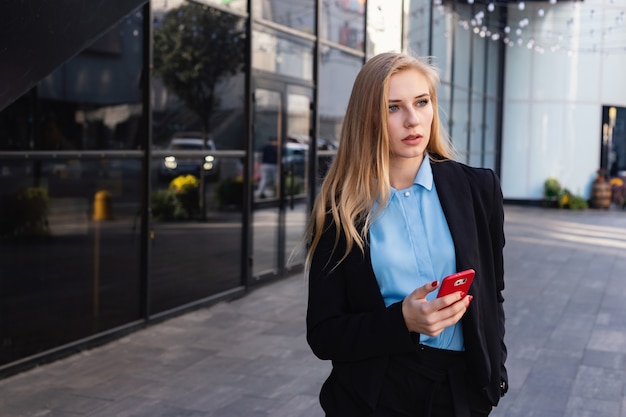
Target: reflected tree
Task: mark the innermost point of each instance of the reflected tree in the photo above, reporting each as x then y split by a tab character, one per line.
196	47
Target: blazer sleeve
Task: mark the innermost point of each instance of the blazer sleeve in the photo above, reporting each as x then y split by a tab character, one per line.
496	225
346	316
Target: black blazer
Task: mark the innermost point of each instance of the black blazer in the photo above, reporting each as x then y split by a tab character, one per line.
348	323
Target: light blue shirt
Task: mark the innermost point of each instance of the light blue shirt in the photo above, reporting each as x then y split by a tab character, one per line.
411	245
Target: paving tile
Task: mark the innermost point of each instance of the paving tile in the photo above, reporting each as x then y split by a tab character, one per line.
607	360
599	383
592	407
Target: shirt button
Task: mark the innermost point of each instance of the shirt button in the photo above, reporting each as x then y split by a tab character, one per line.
406	193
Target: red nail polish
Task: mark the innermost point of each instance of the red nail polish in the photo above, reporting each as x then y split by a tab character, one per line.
471	297
462	294
434	283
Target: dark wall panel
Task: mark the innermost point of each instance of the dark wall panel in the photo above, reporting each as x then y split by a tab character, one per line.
37	36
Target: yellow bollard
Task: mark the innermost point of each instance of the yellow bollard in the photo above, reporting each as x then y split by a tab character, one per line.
102	207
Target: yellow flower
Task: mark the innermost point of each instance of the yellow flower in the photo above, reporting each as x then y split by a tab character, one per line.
617	182
183	182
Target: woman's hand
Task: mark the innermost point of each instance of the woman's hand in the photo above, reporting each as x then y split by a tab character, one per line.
431	317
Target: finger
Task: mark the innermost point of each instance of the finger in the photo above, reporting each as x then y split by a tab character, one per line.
448	315
421	292
448	300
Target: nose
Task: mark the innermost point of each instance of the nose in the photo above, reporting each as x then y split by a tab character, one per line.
412	118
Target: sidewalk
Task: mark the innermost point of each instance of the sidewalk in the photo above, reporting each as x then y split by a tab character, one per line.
566	334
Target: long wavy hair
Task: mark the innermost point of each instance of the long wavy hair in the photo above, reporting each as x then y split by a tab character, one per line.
359	175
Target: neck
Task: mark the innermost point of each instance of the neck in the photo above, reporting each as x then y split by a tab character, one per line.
402	171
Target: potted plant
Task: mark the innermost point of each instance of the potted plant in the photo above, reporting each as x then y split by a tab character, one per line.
179	201
551	192
229	192
25	214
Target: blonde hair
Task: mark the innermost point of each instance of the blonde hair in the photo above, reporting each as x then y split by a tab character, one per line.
359	175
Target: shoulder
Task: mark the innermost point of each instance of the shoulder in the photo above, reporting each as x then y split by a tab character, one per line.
475	176
458	180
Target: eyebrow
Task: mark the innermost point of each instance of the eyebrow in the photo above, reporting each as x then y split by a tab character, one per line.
414	98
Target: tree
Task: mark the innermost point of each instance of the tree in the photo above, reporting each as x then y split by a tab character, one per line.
195	47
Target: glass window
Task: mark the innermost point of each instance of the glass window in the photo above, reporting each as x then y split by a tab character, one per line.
479	72
477	134
296	14
493	76
384	26
442	33
93	102
70	239
199	54
235	5
196	229
476	129
197	160
463	56
460	122
343	22
283	54
444	101
613	145
338	70
69	250
491	110
417	23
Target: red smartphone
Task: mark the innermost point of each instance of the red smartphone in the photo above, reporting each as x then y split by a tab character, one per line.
459	281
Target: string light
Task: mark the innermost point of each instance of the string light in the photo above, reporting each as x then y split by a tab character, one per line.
542	27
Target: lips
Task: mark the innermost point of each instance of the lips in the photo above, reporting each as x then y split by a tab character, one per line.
412	138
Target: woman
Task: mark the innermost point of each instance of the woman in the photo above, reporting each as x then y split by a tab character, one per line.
395	214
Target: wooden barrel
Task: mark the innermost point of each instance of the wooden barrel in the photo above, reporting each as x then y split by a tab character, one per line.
601	195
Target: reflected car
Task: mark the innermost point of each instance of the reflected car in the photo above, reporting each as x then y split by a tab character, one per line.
172	166
295	158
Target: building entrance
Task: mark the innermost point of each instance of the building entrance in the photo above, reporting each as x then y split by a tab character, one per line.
282	125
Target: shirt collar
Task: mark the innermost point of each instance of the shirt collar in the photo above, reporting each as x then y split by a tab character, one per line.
424	175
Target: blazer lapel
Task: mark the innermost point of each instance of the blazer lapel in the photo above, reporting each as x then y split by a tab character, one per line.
457	204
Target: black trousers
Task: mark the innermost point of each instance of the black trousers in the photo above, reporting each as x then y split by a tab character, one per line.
428	383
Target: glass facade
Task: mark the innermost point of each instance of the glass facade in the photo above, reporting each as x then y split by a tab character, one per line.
129	191
456	35
198	144
70	199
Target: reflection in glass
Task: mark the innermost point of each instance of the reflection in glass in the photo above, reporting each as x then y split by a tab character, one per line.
296	151
199	55
296	167
282	54
295	14
194	256
70	219
613	144
384	26
235	5
441	40
343	22
459	128
338	71
417	26
265	220
93	102
197	165
69	250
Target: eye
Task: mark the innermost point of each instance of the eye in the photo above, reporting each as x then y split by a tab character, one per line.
393	108
421	103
